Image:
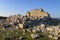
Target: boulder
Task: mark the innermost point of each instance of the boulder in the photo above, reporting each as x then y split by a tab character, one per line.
34	36
21	26
34	30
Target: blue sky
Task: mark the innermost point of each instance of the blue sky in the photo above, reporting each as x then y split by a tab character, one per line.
11	7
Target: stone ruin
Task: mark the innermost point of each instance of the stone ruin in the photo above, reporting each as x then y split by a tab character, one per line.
37	13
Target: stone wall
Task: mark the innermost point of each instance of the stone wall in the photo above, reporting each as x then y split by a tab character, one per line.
37	13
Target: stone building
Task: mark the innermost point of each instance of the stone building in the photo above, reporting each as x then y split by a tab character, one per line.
37	13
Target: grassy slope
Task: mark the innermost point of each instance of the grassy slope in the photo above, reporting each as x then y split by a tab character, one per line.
17	33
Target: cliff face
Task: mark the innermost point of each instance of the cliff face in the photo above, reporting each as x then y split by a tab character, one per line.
37	13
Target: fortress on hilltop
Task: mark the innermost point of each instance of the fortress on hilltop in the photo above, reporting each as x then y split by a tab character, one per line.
37	13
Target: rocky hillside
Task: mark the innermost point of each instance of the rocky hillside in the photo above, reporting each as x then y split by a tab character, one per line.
31	19
33	26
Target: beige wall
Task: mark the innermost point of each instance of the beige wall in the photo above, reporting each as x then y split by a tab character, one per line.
37	13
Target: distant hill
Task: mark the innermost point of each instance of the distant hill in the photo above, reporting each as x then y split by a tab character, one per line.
58	18
1	17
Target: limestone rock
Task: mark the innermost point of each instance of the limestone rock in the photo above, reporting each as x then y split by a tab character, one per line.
42	25
21	26
34	30
34	35
28	30
38	28
14	18
17	27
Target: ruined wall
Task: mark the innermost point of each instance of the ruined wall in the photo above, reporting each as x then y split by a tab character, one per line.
40	13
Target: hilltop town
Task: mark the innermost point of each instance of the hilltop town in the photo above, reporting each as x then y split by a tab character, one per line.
35	25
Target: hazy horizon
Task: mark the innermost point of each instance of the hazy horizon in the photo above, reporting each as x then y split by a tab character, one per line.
12	7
